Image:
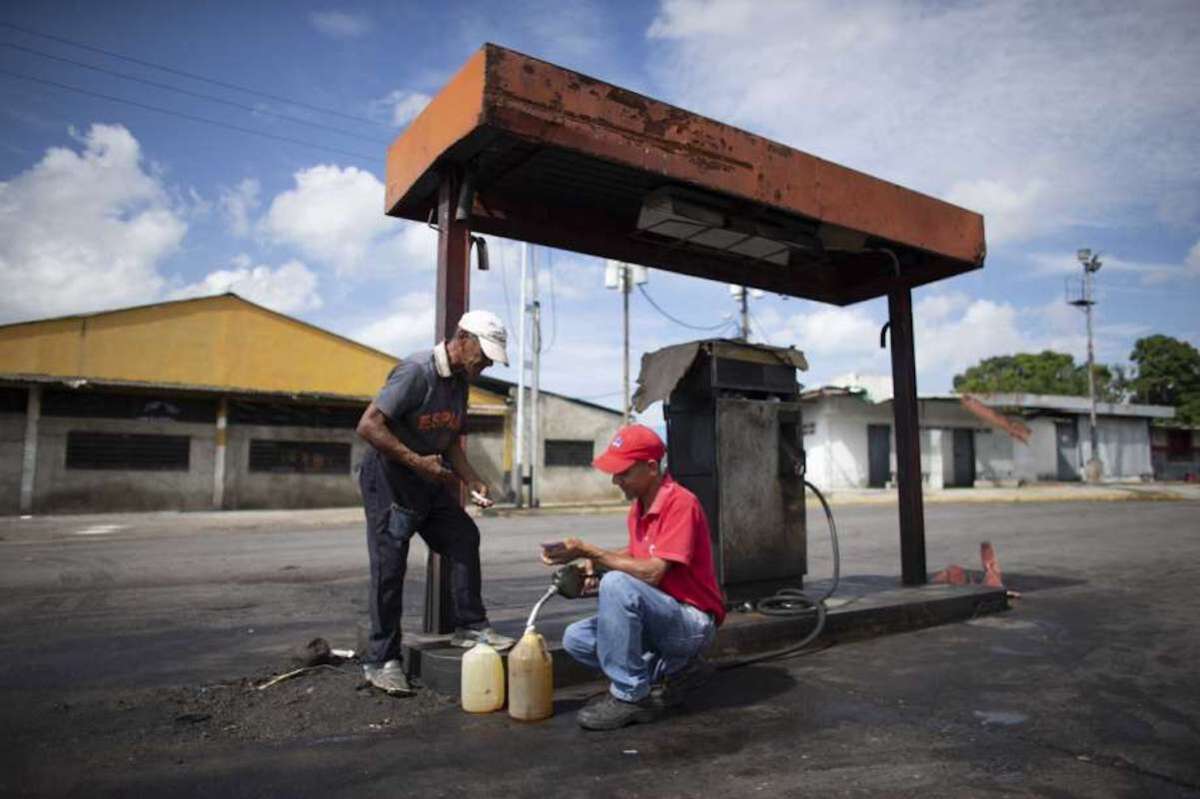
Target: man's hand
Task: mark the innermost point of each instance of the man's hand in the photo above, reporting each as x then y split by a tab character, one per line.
431	468
480	493
571	549
591	580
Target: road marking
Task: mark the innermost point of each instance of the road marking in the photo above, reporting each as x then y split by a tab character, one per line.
100	529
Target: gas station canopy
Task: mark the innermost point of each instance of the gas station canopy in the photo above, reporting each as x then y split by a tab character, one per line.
549	156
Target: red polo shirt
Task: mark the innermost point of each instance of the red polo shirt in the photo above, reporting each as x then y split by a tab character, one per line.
676	530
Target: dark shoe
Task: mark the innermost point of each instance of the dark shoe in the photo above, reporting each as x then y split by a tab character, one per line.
389	678
610	713
675	687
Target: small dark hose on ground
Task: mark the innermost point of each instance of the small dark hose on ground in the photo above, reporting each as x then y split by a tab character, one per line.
794	602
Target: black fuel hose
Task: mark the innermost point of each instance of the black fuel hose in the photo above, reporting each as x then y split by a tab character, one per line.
794	602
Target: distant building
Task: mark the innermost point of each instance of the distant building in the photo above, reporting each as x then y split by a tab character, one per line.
1175	452
219	403
1012	439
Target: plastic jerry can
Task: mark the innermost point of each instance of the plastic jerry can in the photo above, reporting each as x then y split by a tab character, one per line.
482	680
530	678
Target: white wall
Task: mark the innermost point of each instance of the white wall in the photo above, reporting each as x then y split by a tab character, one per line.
1124	445
837	445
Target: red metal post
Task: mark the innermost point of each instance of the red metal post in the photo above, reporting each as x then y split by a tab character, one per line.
453	293
908	441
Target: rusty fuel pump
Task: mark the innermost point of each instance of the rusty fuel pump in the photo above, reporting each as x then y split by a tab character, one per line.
735	438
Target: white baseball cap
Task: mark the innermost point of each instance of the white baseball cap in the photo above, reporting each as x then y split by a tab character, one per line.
488	328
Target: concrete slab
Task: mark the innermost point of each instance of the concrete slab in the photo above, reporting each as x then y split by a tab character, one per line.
863	607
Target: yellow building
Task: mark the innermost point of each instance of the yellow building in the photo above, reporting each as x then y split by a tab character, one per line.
205	403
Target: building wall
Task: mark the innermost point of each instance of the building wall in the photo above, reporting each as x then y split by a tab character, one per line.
564	419
1181	462
996	458
486	452
248	490
837	448
12	453
837	442
1124	445
58	489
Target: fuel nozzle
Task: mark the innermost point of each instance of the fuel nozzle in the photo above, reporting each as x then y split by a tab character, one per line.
571	580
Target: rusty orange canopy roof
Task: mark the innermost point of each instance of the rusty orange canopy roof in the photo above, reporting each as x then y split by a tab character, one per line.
560	159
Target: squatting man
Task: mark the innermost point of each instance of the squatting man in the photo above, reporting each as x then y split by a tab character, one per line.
410	483
659	601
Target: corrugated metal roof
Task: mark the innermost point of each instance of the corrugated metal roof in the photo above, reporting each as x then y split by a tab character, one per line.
220	343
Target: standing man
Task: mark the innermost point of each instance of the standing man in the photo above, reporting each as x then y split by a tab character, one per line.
660	604
410	484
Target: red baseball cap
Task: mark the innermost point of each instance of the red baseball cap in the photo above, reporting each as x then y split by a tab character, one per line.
632	443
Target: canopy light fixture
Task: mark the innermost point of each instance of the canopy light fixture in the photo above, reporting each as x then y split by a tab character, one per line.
696	219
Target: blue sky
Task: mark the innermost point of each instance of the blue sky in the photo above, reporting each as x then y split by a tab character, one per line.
1067	125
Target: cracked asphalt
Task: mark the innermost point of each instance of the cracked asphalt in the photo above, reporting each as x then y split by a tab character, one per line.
130	647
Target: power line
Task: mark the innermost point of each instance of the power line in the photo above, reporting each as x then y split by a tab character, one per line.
680	322
183	115
601	396
190	93
191	75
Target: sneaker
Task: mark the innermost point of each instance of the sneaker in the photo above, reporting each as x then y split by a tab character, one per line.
610	713
466	638
389	678
675	687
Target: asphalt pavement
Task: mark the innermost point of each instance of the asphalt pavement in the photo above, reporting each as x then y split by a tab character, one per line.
1085	688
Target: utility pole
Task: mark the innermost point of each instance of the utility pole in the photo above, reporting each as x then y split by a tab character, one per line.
745	302
519	459
625	347
535	435
1091	265
624	277
741	295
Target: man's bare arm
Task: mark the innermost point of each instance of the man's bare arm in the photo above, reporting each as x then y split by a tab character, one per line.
373	429
648	570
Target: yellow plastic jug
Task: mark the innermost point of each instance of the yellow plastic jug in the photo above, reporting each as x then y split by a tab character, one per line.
482	680
530	678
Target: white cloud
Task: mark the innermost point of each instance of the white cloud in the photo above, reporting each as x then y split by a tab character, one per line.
1146	273
406	329
238	203
400	106
340	24
952	331
84	230
289	288
334	215
1038	115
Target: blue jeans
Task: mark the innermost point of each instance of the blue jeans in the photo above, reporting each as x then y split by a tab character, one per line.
399	504
639	635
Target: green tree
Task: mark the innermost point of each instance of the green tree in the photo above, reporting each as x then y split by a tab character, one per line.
1168	373
1045	372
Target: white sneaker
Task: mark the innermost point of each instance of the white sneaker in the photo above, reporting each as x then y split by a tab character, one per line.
466	638
389	677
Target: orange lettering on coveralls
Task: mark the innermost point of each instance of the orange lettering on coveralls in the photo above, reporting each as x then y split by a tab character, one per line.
439	420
